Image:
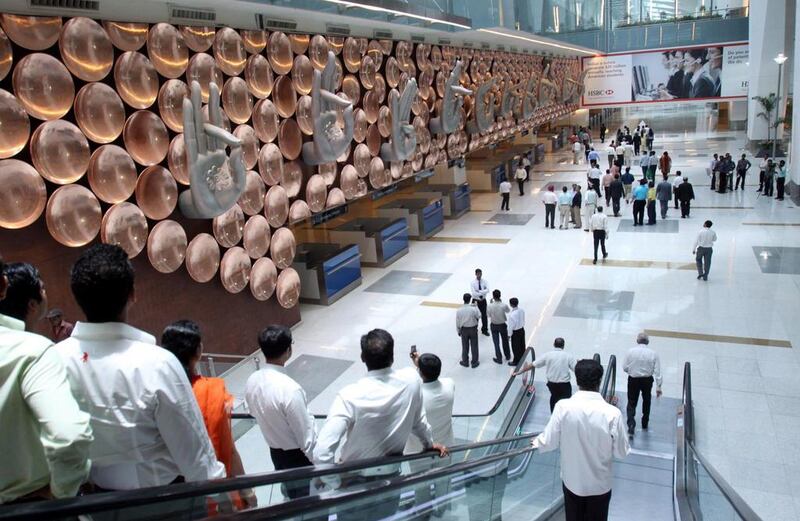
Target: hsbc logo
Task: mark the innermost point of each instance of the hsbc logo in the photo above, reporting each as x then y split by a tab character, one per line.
601	92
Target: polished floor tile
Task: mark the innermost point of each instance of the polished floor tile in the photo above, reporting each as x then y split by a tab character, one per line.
401	282
778	259
595	304
616	263
661	226
509	219
315	373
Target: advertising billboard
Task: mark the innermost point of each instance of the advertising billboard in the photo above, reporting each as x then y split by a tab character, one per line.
679	74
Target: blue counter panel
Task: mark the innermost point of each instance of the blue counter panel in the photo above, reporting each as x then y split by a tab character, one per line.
342	270
433	218
394	239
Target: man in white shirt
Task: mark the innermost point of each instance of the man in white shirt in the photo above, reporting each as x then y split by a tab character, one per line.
591	434
373	418
497	311
620	153
611	151
564	206
676	182
703	248
589	206
550	200
643	365
147	425
467	318
280	407
598	225
593	176
577	149
558	364
520	176
46	437
516	324
505	194
479	288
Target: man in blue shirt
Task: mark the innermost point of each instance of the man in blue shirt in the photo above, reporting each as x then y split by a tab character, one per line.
593	156
627	182
639	202
564	205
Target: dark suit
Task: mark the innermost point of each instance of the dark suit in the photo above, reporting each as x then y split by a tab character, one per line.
686	86
675	83
685	194
616	191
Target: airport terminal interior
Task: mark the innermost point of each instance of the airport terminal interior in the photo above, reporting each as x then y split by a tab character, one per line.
337	167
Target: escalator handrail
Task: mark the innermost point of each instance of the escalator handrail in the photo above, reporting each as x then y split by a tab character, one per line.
609	379
738	504
528	351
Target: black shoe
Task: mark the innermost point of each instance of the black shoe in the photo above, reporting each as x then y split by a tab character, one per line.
699	277
497	360
630	432
705	279
465	364
485	333
644	426
475	364
605	255
594	261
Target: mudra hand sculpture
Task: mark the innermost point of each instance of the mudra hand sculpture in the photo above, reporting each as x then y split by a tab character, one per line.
447	122
216	180
330	141
573	89
530	101
509	106
547	89
404	136
484	110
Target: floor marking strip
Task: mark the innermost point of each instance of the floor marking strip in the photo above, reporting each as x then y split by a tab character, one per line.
771	224
435	304
477	240
764	342
641	264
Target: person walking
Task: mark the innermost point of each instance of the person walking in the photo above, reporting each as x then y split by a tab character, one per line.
550	200
608	177
599	228
589	207
639	202
577	199
769	179
603	131
591	434
651	137
664	163
762	167
676	182
703	248
558	364
619	151
652	165
520	175
526	164
651	203
637	143
685	194
593	155
742	166
780	179
564	205
498	311
643	366
479	288
664	195
467	318
577	149
516	324
611	152
644	162
505	194
627	184
616	189
593	176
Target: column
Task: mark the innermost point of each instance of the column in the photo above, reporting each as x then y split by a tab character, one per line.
794	154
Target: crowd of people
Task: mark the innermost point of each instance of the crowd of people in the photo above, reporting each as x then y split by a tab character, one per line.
771	177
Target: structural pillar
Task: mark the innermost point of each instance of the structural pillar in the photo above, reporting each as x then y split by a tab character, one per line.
794	153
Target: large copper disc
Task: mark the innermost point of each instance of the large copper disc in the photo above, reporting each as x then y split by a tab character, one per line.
170	103
6	55
198	39
335	198
126	36
59	151
203	69
270	164
352	55
202	257
254	40
292	178
279	51
360	125
285	96
136	80
236	100
276	206
282	248
256	236
299	211
304	116
229	226
318	51
156	192
99	112
43	86
361	159
146	138
263	278
112	174
125	225
249	145
352	88
24	194
166	246
229	51
86	49
15	126
258	75
328	172
373	140
316	193
349	182
35	33
234	270
167	50
176	160
299	42
302	74
336	44
73	215
287	290
265	120
290	139
252	199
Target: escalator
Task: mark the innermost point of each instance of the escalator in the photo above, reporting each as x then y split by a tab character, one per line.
500	478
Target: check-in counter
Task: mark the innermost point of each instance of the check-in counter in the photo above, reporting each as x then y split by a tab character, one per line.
327	271
424	217
381	241
455	198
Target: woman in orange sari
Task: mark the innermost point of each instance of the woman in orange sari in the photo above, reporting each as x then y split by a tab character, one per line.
183	339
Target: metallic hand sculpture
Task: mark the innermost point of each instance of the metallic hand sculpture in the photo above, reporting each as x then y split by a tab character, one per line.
448	121
213	189
330	141
576	89
510	104
484	111
547	89
530	101
404	136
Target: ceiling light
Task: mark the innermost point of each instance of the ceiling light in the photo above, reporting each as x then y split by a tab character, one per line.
540	42
397	13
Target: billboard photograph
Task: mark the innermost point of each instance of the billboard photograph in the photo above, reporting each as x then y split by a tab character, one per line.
680	74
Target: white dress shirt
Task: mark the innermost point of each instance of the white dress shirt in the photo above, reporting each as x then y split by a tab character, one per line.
505	187
520	173
516	319
374	418
280	408
526	162
705	238
595	173
467	315
559	363
148	429
437	400
598	221
549	197
497	310
590	199
620	150
479	288
590	433
641	361
677	181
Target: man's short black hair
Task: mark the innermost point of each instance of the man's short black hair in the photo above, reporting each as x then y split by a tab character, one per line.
430	367
102	282
377	349
467	298
24	285
558	342
274	341
514	301
708	224
182	338
496	294
478	270
589	374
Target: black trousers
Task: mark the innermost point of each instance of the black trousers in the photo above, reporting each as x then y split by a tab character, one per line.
585	508
520	184
599	239
615	204
469	343
636	148
550	215
761	175
651	212
676	200
638	212
768	185
558	391
685	207
504	203
740	177
518	344
291	459
780	184
723	182
596	186
639	385
500	332
481	302
714	180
